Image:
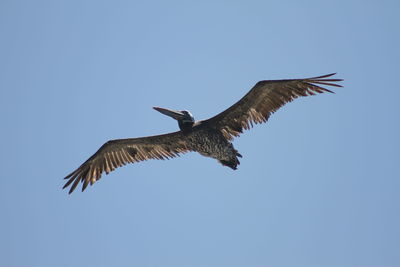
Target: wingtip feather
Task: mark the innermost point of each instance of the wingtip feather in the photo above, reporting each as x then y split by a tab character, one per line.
323	76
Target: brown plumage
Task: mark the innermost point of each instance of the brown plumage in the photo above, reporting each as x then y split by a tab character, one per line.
210	137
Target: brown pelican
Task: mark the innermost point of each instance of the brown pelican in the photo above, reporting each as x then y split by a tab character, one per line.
211	137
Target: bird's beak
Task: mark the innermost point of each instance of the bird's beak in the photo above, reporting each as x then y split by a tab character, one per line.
177	115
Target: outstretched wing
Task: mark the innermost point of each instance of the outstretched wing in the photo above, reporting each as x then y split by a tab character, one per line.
263	99
116	153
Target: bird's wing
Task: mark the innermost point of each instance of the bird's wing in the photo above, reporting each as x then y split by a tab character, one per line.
116	153
263	99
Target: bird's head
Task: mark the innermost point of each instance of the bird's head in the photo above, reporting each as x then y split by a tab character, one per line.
185	118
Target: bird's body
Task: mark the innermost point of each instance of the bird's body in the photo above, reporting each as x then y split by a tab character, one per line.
211	137
211	143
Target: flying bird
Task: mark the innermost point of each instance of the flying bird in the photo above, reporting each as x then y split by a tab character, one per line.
211	137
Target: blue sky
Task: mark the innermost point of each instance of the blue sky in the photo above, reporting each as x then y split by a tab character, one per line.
317	186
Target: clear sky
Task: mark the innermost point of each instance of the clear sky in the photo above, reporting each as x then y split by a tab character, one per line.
318	184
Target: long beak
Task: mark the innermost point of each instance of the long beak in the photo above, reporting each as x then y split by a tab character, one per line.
177	115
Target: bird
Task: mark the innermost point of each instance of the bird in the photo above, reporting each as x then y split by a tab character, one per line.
211	137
